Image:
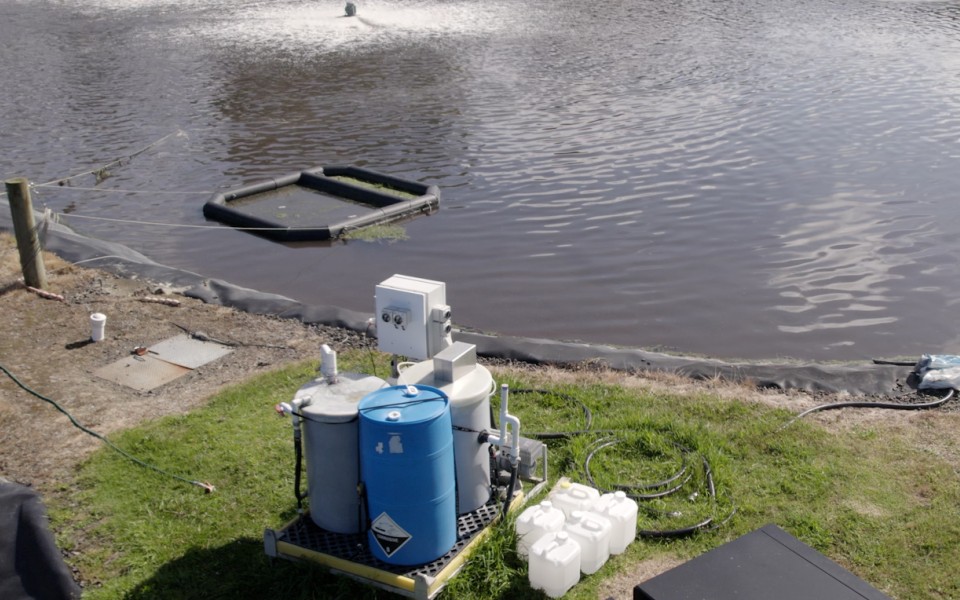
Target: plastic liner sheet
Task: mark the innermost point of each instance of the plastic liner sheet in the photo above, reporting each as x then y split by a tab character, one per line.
857	379
31	566
866	379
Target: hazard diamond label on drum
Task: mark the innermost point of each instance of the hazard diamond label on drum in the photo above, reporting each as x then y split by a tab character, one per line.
390	536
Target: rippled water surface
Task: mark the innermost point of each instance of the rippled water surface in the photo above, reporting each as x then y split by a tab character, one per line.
743	179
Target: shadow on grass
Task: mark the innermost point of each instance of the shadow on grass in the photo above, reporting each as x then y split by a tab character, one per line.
241	570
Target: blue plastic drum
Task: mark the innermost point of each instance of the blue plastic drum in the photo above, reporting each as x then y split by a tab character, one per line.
407	467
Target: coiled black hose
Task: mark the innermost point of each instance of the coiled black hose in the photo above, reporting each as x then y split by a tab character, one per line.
631	489
682	474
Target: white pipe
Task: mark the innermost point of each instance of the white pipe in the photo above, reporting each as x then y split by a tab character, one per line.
504	393
509	434
293	409
328	363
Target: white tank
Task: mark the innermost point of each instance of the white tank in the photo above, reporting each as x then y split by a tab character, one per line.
535	522
592	532
455	372
331	448
554	564
622	513
569	496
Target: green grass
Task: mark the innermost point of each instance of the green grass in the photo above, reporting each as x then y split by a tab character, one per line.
886	511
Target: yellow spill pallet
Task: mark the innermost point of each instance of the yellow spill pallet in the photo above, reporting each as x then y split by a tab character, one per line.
349	555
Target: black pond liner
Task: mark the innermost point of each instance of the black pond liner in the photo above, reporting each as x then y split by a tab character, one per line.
328	207
861	378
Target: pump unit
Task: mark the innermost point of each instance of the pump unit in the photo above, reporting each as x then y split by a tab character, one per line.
404	481
413	318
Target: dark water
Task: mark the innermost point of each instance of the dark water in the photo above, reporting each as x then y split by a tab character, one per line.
757	178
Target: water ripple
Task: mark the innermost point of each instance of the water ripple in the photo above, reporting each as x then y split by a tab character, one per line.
754	178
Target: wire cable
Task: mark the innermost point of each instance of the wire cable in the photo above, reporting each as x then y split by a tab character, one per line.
115	162
119	190
159	224
180	225
209	488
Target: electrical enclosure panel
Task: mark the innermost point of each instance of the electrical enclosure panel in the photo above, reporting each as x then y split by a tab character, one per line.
413	318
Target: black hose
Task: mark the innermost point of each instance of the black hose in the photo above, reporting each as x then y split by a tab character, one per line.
867	404
206	486
298	470
704	525
672	533
630	489
513	483
633	491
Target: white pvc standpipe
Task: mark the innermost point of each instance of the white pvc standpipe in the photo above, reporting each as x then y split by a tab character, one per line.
98	322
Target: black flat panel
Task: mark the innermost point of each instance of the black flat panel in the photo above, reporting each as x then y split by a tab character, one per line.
766	564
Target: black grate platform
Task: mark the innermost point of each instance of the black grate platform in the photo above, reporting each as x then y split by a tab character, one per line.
349	554
354	548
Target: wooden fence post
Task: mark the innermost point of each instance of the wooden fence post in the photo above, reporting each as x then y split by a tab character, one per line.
25	230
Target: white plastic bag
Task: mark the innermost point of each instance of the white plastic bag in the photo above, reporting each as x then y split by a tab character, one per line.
938	372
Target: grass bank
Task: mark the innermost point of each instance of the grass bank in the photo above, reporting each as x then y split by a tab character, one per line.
868	500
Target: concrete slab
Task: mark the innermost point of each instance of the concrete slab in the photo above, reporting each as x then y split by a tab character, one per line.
165	361
187	352
141	373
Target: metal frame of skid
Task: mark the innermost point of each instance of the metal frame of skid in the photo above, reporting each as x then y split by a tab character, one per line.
349	555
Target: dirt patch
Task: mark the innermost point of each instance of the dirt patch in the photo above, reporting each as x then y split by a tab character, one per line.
620	586
46	347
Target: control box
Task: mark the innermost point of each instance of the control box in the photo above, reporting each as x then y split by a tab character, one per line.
413	318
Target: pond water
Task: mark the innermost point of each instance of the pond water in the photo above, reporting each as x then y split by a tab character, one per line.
750	179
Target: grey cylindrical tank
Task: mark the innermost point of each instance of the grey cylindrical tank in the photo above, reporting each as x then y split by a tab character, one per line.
468	386
330	439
